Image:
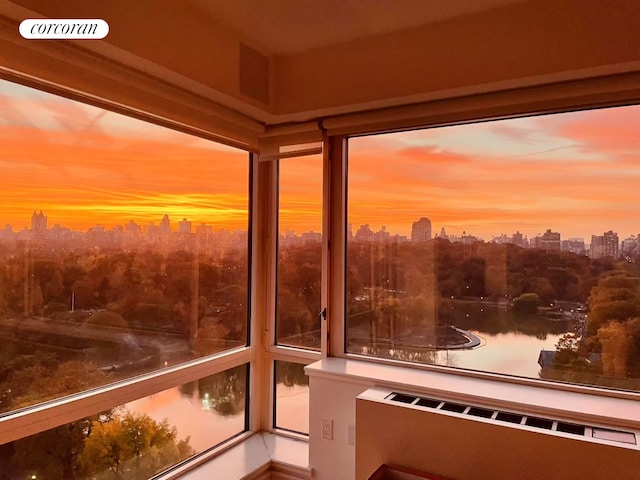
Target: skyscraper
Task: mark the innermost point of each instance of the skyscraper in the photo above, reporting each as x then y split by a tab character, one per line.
38	223
606	245
550	241
165	225
421	230
184	226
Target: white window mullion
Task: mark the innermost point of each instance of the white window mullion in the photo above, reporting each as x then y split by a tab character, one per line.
44	416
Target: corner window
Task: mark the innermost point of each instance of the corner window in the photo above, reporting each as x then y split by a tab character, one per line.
139	439
123	256
299	252
123	247
506	246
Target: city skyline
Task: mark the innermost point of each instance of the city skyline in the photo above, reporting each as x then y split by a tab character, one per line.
575	173
39	224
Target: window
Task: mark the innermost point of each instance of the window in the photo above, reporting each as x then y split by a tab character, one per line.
138	439
299	252
291	397
123	260
507	246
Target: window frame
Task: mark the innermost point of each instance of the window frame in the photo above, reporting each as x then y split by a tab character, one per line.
33	419
271	152
544	100
293	155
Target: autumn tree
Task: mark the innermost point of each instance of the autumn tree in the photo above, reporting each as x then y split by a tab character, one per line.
52	454
133	443
526	303
615	297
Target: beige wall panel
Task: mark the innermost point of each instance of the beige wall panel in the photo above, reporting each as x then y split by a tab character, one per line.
518	44
462	448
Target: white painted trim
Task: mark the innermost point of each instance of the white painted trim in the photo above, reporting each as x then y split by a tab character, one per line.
336	213
293	354
585	406
509	100
292	154
260	456
47	415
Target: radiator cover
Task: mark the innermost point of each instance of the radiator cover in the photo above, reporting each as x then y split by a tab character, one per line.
461	441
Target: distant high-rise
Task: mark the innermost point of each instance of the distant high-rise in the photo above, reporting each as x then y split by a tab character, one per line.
443	233
165	225
606	245
518	239
574	245
550	241
184	226
421	230
38	222
364	234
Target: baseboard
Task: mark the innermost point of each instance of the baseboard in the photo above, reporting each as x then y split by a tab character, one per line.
279	471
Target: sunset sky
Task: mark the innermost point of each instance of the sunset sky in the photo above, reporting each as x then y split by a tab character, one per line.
576	173
85	166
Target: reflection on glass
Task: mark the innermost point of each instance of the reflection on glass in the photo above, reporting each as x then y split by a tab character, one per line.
136	440
124	250
509	246
299	252
292	397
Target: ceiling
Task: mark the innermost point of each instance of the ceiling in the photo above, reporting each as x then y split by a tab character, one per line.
285	27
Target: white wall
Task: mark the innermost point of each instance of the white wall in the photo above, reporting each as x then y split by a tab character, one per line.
336	382
334	400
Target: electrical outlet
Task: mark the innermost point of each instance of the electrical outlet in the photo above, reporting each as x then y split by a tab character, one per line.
351	435
327	429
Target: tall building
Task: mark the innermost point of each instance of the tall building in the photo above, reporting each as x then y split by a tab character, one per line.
421	230
574	245
629	245
38	223
550	241
184	226
518	239
165	225
605	246
364	234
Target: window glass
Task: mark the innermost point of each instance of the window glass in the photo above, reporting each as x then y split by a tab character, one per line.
136	440
123	247
292	397
299	252
507	246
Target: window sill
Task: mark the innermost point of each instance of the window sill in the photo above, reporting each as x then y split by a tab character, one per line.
620	409
253	457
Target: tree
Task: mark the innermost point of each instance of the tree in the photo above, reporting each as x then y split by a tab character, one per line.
133	443
52	454
615	349
526	303
615	297
567	353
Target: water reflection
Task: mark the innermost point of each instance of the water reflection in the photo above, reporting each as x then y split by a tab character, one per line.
136	440
292	397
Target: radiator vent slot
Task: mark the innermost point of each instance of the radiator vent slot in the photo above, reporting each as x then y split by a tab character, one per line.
570	428
515	418
539	422
480	412
404	398
509	417
453	407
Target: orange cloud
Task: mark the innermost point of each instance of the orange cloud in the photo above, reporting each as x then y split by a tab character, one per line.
586	186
